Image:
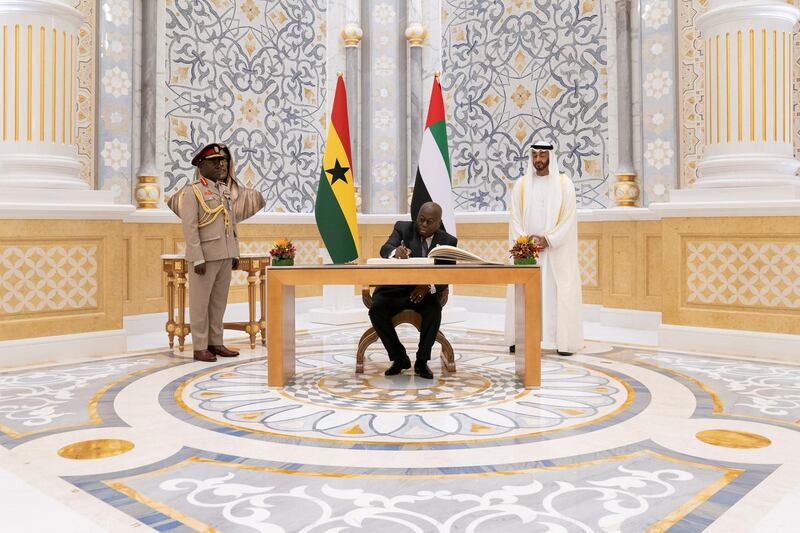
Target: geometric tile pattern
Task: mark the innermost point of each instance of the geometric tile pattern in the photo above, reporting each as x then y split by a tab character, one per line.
37	279
587	261
250	74
494	250
548	81
306	253
743	273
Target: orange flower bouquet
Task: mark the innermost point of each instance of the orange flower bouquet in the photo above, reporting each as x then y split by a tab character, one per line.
283	253
524	251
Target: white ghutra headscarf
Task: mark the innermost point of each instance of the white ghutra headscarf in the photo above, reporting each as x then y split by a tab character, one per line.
524	190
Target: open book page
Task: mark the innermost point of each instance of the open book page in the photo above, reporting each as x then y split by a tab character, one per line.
394	261
453	253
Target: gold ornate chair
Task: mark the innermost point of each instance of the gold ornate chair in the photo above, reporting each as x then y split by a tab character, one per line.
406	316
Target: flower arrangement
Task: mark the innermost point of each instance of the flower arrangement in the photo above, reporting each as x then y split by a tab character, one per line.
283	252
524	251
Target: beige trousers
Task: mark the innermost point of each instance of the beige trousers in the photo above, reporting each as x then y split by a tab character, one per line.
208	296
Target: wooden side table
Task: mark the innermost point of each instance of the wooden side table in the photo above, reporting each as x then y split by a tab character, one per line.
174	265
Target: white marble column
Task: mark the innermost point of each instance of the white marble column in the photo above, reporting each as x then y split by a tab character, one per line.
416	34
351	35
147	193
626	190
38	97
748	101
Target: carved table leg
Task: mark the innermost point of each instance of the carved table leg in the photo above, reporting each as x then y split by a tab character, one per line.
171	308
262	325
181	330
252	325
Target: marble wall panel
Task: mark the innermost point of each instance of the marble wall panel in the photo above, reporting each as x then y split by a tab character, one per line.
514	70
115	162
250	74
659	110
385	127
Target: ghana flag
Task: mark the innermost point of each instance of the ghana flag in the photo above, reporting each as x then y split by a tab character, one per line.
335	209
433	173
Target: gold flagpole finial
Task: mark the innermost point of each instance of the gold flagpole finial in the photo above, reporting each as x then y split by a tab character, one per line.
437	74
340	74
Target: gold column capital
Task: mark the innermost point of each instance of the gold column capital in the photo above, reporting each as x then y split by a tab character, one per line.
416	34
352	34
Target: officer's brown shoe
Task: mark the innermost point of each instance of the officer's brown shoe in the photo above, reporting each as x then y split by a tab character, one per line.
221	351
205	356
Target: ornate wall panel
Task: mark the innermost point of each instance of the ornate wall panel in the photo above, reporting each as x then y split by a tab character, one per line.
58	279
659	112
250	74
733	273
86	84
42	278
115	100
385	125
588	258
742	273
514	70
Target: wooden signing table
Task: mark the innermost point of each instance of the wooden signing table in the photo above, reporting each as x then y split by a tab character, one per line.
282	281
256	267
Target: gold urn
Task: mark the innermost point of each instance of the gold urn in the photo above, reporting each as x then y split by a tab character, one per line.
147	192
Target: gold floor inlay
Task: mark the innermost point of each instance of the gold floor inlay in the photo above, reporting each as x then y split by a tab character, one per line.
95	449
733	439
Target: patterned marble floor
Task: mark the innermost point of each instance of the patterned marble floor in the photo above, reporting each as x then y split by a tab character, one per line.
617	439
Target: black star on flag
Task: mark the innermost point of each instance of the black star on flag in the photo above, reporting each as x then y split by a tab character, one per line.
337	172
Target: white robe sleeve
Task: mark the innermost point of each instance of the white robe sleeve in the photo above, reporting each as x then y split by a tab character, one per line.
515	227
565	228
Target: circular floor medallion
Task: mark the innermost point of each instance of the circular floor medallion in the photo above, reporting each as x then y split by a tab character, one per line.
482	402
733	439
95	449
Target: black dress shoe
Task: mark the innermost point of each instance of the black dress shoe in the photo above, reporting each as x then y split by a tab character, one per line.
397	367
512	348
564	353
422	370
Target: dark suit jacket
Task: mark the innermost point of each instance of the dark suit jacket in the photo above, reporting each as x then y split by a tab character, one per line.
406	232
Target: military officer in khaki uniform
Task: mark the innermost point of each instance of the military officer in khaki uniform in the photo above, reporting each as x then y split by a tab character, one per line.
212	249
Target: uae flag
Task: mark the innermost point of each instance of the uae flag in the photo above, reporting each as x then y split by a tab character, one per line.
433	172
335	208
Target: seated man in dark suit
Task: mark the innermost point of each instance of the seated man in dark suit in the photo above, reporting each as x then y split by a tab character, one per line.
411	239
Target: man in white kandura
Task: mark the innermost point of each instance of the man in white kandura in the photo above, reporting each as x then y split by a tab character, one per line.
543	205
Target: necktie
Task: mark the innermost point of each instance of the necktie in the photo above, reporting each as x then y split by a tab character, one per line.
424	247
